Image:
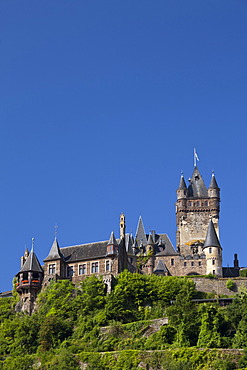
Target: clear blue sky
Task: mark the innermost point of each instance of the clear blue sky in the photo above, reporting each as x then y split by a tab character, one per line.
101	104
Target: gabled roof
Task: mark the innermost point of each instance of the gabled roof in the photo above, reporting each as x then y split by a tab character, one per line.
31	264
213	183
140	233
112	240
165	247
211	238
54	253
182	184
197	188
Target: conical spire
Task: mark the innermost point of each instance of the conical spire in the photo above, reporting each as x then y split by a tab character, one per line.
150	240
112	240
211	238
197	188
213	183
55	252
182	184
140	233
32	263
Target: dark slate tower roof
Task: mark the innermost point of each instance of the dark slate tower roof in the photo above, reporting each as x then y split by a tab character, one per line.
213	183
54	253
31	264
197	188
211	238
182	184
112	240
150	240
160	268
140	233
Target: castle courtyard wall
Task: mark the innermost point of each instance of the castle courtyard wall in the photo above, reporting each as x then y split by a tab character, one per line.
219	285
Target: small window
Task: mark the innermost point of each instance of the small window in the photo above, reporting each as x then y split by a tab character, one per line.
192	264
206	203
52	269
199	263
214	272
210	250
190	204
185	264
107	265
94	267
82	269
213	262
172	261
219	251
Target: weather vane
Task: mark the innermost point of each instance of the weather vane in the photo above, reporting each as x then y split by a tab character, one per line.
32	244
56	230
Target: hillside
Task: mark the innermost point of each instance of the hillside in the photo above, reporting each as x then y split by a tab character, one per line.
84	328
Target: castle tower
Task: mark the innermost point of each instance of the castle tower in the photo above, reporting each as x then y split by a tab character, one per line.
195	206
213	252
112	246
150	253
122	226
55	266
29	283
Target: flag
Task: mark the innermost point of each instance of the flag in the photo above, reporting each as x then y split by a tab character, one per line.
195	154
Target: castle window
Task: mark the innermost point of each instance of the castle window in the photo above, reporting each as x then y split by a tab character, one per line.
219	251
52	269
185	264
192	263
213	262
199	263
210	250
190	204
94	267
108	265
214	272
70	271
172	261
82	269
206	203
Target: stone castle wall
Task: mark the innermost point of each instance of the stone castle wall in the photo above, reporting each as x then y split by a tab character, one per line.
218	285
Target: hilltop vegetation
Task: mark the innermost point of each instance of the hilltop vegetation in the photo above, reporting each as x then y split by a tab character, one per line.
83	327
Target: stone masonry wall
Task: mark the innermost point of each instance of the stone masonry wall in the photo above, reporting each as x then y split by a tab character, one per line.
218	285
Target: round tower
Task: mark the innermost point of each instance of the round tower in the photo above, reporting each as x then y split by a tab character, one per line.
150	254
213	252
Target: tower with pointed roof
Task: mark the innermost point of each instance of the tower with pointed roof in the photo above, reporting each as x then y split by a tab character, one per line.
195	207
29	283
213	252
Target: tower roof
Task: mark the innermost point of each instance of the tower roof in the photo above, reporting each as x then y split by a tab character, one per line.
31	264
140	233
150	240
112	240
182	184
211	238
213	183
197	188
160	268
54	253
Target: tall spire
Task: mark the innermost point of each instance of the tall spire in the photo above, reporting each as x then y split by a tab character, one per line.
140	233
197	188
211	238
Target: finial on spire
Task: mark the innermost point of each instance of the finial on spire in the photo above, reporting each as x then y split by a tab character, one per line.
32	244
55	230
195	157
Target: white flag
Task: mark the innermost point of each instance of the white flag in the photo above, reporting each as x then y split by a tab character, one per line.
195	154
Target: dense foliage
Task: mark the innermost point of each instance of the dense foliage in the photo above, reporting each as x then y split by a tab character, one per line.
83	325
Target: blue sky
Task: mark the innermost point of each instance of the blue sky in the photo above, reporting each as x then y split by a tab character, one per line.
101	105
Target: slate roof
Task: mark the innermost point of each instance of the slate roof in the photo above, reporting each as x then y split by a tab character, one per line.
211	238
197	188
160	267
112	240
54	253
140	233
85	251
165	247
182	184
213	183
31	264
150	240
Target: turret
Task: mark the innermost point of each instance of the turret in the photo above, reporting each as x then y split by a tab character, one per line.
150	254
213	252
182	188
29	283
54	262
112	246
213	190
122	226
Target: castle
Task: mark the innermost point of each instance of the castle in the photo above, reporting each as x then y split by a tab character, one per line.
198	250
